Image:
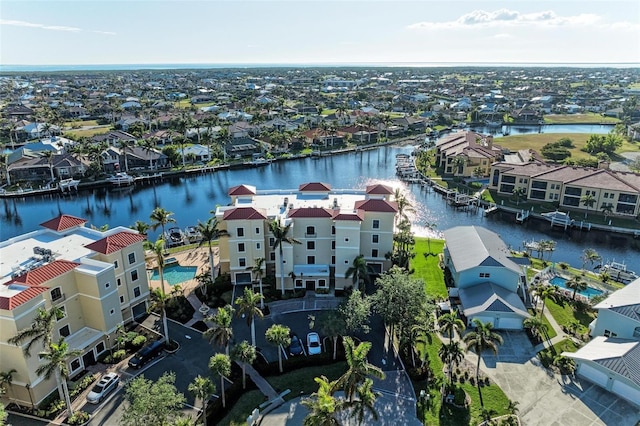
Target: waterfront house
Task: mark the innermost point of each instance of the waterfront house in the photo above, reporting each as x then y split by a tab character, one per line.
467	154
612	358
333	227
97	279
489	283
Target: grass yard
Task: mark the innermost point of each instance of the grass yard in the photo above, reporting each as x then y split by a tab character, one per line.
78	133
243	408
426	267
565	314
81	123
537	140
546	356
588	118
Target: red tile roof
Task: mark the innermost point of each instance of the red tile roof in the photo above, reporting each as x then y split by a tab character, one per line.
314	186
379	189
9	303
63	222
311	212
115	242
44	273
373	205
245	213
357	215
241	190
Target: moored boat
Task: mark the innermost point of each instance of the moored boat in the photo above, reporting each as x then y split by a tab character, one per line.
121	178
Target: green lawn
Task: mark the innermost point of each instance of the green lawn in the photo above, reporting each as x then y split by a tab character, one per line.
80	123
537	140
78	133
589	117
301	382
564	314
427	268
546	356
243	408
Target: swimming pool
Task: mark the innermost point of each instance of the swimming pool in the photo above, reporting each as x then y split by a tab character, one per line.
560	282
175	274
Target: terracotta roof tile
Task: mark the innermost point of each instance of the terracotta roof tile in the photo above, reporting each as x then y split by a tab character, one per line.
63	222
310	212
315	186
44	273
242	190
357	215
379	189
12	302
115	242
382	206
245	213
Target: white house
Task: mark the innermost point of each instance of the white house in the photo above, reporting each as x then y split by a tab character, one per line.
490	283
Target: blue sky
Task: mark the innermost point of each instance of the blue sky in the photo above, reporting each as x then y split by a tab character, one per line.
49	32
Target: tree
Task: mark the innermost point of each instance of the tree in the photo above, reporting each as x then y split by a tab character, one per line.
404	206
221	333
159	296
210	232
518	193
358	369
6	380
359	272
160	217
257	270
451	354
576	284
546	292
607	208
591	256
354	313
332	325
40	330
588	201
152	403
54	362
244	353
483	337
536	326
220	365
202	388
49	156
431	226
141	227
281	236
364	402
322	405
248	308
450	323
279	336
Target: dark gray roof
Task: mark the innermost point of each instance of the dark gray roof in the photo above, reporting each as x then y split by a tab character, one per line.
621	356
471	246
490	297
628	365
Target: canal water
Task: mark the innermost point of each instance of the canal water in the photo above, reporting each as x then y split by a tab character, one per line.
518	129
192	198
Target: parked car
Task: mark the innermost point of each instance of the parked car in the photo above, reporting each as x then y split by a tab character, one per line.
105	386
313	343
146	354
295	348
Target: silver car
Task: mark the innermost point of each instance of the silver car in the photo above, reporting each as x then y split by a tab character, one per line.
105	386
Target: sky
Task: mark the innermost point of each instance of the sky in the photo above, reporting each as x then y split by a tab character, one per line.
51	32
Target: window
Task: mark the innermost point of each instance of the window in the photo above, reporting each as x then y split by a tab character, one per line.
311	260
257	230
240	247
56	294
346	262
242	262
333	245
112	311
107	285
121	300
119	282
134	275
333	260
374	253
258	245
485	275
311	231
65	331
75	364
636	332
272	256
346	240
374	239
240	232
136	292
100	348
606	195
607	333
243	278
132	258
272	241
322	283
311	245
62	313
298	284
376	224
115	264
333	230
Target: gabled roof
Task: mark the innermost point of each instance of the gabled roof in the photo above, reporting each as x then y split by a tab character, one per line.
12	302
357	215
242	190
63	222
44	273
245	213
115	242
379	189
311	212
314	186
472	246
619	355
489	297
372	205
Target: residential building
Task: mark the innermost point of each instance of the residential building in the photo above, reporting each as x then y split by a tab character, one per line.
467	154
612	358
97	279
490	283
332	226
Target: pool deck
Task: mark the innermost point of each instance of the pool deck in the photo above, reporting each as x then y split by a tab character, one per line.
198	257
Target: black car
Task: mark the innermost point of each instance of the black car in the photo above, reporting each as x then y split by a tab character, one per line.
146	354
296	347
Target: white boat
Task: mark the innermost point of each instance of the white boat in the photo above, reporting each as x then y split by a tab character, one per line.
493	123
192	234
68	184
174	237
120	178
618	272
260	162
558	218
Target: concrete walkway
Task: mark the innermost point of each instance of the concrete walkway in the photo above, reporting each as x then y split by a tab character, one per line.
260	381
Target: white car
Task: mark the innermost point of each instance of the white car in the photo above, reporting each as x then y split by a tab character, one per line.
313	343
105	386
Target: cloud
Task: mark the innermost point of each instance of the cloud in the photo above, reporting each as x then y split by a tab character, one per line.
26	24
511	18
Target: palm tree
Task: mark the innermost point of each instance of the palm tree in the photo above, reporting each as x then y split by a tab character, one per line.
576	284
536	326
6	379
49	156
482	338
431	227
245	354
40	330
202	388
404	206
159	295
280	235
332	325
365	402
258	272
279	336
589	255
160	217
359	368
451	354
221	333
54	362
141	227
210	232
322	405
450	323
359	273
518	193
588	201
545	292
220	365
607	209
248	308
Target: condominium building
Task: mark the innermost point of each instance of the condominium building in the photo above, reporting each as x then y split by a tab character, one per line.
97	279
332	226
467	154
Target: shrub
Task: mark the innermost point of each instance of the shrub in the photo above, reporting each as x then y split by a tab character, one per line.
139	341
82	385
78	418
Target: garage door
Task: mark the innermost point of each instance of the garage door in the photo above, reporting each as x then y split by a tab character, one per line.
626	391
483	319
596	376
509	323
